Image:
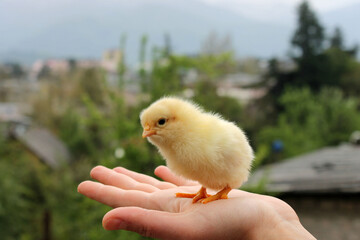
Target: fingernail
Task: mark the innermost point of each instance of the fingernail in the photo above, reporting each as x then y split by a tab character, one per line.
115	224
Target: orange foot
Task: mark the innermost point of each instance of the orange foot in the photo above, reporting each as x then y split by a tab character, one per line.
201	194
220	195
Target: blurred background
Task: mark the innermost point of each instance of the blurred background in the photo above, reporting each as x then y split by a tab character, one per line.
74	76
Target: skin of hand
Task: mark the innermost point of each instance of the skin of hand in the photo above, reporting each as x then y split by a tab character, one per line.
149	207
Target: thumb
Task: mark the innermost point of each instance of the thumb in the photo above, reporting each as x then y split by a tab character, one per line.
150	223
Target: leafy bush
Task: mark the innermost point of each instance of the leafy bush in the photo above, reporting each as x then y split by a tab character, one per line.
312	121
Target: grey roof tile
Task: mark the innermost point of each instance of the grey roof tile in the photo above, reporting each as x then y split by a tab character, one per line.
331	170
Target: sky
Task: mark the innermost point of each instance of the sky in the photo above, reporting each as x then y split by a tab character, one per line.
279	11
38	26
276	11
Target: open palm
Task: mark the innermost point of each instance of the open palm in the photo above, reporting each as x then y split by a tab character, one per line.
149	207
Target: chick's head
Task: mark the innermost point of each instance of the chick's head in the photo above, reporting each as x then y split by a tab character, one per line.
166	120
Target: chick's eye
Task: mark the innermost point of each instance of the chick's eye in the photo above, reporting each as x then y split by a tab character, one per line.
162	121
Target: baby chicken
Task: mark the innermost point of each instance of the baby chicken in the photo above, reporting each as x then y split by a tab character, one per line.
198	145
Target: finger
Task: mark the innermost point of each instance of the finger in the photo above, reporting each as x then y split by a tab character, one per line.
110	177
150	223
116	197
142	178
165	174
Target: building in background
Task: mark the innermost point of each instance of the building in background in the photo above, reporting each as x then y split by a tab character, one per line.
323	187
41	143
110	62
38	141
111	59
45	68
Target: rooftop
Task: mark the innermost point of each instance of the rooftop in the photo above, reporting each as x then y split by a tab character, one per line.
328	170
46	146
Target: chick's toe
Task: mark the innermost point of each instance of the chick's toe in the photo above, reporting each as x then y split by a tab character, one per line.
220	195
201	194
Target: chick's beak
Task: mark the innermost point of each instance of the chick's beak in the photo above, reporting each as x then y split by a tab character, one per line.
148	131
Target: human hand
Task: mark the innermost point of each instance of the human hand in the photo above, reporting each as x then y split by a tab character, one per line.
149	207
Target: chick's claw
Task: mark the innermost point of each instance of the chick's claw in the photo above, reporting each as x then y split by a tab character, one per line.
220	195
201	194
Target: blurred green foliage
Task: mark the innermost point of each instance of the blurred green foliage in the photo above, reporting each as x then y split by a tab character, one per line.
94	120
312	106
311	121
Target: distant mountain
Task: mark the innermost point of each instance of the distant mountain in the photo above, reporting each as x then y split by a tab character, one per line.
92	29
85	29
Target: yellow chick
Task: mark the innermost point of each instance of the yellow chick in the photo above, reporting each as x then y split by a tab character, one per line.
198	145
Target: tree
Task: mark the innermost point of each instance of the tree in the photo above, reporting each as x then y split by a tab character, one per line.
229	108
94	121
16	70
167	45
45	73
142	69
343	67
309	36
165	77
311	121
72	64
308	40
337	41
316	66
310	63
121	65
215	45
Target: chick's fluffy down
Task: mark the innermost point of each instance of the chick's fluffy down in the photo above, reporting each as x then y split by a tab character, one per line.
197	145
